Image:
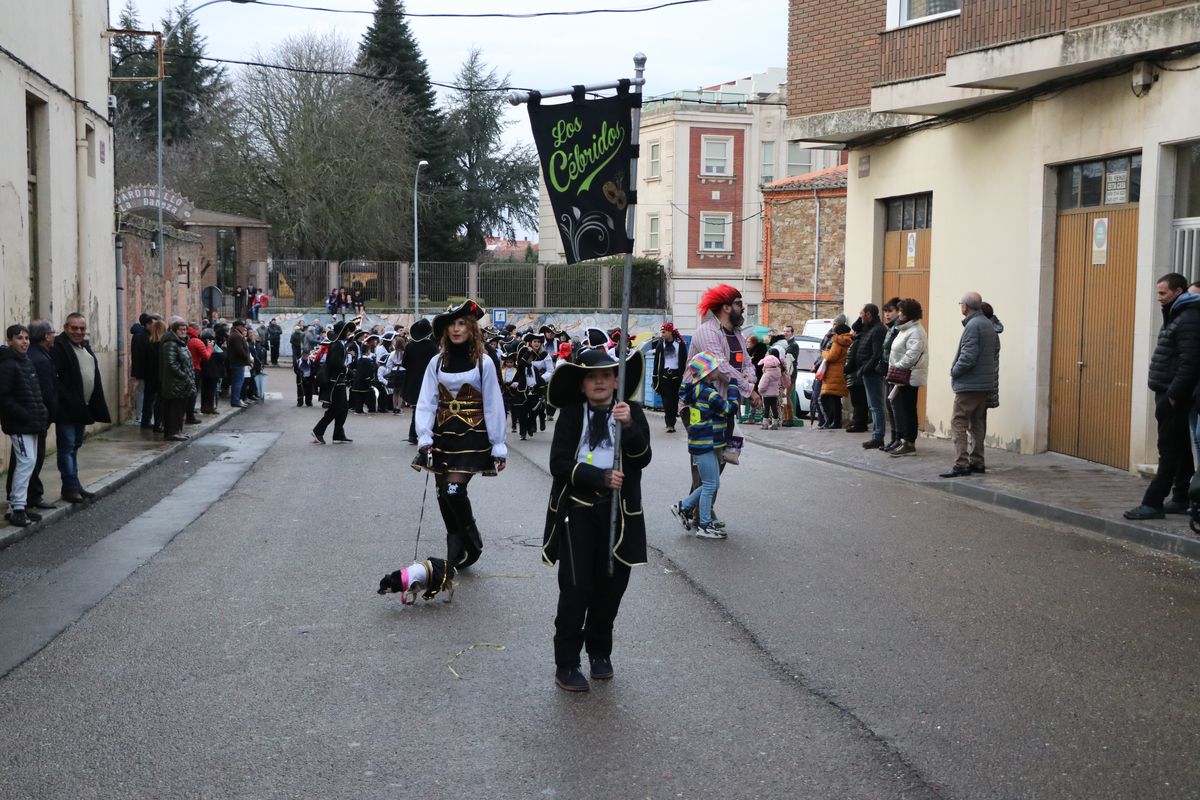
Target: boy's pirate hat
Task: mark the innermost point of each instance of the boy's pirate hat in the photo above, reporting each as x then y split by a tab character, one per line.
340	329
566	384
420	330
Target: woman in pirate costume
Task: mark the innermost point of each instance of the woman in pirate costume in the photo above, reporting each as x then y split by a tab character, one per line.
585	472
460	425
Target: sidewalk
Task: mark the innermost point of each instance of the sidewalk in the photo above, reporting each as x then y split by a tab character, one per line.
108	460
1054	487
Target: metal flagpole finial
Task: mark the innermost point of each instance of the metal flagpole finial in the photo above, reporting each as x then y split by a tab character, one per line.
639	61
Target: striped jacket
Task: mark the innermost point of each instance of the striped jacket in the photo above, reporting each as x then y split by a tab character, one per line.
708	429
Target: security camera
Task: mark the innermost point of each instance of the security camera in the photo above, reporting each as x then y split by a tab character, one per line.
112	102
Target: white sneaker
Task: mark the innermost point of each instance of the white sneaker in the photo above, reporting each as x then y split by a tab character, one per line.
682	516
709	532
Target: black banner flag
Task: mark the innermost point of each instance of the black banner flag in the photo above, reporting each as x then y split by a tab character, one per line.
585	151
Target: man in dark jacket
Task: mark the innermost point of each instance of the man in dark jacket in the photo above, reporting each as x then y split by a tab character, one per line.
334	389
22	416
973	377
854	385
274	335
417	354
80	401
239	362
41	338
140	353
870	350
1174	371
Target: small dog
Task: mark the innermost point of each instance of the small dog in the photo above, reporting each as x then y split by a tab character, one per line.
429	578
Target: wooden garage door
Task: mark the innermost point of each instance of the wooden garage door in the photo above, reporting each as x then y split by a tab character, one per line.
1091	367
906	249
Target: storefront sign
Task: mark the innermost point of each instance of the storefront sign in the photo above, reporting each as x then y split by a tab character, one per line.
1116	187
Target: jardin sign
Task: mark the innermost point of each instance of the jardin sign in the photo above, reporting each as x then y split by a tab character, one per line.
139	198
585	150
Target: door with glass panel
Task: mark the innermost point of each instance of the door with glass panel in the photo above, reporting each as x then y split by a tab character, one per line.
1095	279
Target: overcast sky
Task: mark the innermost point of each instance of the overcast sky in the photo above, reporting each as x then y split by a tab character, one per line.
687	46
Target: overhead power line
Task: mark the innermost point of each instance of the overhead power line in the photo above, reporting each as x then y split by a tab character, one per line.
494	14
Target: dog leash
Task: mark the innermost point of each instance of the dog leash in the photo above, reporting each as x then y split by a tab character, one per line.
421	518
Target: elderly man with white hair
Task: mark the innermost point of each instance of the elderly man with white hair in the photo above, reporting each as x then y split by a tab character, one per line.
973	379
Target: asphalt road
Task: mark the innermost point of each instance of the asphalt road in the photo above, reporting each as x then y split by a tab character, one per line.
853	638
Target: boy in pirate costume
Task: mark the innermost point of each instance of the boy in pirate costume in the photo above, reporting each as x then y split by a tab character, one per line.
586	471
528	387
362	382
460	425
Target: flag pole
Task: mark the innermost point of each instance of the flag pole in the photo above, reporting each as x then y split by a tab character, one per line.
639	69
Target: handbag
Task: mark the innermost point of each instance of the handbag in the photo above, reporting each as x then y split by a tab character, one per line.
821	370
899	375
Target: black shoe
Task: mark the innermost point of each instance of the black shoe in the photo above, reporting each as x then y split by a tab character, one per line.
178	437
671	429
872	444
956	472
21	520
1144	512
191	421
570	679
32	516
72	497
980	469
299	403
857	429
892	445
308	404
86	495
341	440
42	503
317	438
412	441
1175	507
602	669
522	437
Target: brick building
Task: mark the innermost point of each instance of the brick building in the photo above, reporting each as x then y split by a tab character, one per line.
804	246
234	249
1059	142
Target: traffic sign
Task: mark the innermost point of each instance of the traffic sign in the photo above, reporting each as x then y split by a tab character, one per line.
499	317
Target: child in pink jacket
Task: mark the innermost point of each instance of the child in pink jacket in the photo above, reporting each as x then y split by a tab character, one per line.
769	387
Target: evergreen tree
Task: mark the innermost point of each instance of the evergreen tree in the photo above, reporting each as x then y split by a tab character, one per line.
388	48
497	186
191	85
133	56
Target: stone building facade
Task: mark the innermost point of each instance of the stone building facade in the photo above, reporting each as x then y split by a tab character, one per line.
804	232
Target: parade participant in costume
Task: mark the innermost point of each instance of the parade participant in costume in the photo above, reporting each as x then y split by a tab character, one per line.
417	354
543	362
670	360
332	384
508	381
585	472
528	392
362	382
719	333
460	425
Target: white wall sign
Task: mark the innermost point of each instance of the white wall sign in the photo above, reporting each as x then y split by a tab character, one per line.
1100	240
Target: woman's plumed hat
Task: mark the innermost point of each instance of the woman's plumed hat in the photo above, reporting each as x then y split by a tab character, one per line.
468	308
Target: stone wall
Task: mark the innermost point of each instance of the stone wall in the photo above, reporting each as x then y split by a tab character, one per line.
791	231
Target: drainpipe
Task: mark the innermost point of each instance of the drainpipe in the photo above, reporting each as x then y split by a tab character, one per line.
816	252
82	231
122	381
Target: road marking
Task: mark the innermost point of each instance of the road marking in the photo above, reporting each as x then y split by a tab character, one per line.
31	618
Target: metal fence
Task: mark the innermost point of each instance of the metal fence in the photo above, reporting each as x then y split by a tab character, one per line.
298	282
572	286
443	283
508	285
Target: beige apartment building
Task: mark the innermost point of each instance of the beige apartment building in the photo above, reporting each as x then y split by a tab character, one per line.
56	171
705	155
1045	154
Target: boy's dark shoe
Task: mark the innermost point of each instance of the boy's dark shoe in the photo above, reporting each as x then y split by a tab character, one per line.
18	518
602	668
570	679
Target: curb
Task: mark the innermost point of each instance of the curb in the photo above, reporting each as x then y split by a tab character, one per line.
109	484
1176	544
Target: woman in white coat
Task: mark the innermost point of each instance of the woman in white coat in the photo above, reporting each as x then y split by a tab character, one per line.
910	351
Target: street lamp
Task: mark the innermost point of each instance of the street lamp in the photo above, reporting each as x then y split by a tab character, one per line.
416	245
161	77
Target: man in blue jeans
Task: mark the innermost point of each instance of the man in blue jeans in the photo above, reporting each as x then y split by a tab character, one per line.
239	360
870	352
80	401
